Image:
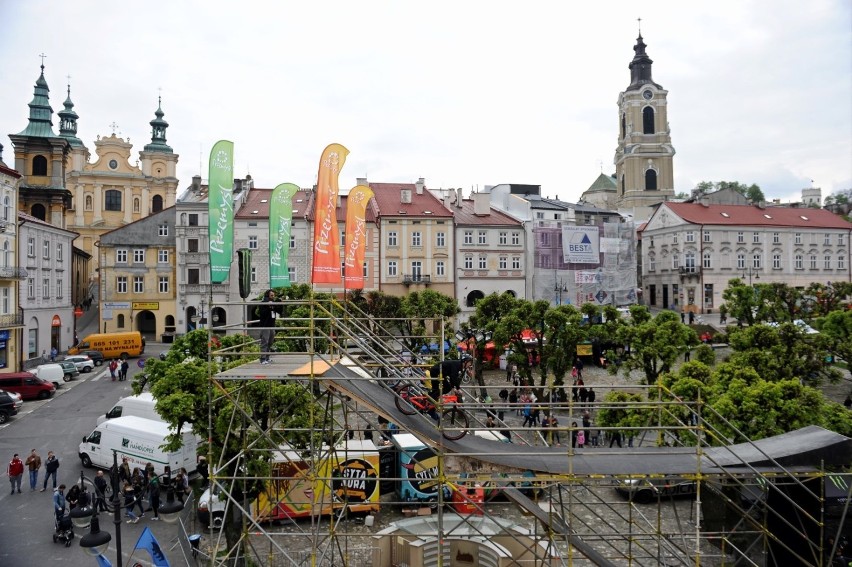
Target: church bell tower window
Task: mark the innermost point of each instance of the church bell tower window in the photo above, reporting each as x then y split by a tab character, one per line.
647	120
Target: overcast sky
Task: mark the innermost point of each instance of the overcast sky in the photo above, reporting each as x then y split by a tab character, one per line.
462	93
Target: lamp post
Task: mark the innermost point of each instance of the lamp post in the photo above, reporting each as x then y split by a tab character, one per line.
96	541
750	271
558	287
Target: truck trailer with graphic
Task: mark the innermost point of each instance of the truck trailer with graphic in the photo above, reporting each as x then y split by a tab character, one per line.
417	466
343	478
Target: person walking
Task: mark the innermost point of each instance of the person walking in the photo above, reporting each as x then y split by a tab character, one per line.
51	465
113	366
15	472
125	366
129	503
33	463
53	353
100	492
266	315
59	502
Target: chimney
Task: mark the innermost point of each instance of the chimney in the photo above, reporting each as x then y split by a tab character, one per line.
405	196
238	185
420	185
459	203
361	181
196	184
481	204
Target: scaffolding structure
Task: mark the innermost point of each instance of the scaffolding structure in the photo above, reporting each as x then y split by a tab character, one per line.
745	503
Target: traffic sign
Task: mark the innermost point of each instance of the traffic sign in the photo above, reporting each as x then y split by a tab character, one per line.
140	363
78	312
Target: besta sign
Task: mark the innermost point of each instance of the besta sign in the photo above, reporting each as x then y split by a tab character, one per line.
581	244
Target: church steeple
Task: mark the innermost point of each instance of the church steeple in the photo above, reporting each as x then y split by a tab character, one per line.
68	122
41	114
158	131
640	67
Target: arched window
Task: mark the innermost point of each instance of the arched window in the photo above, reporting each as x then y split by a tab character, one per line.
623	126
647	120
6	254
156	204
39	165
112	200
120	321
38	211
135	204
6	208
650	180
88	202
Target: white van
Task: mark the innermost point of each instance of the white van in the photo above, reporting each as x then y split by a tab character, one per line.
139	440
50	373
139	406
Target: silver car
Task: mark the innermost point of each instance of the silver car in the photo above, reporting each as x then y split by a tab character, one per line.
644	490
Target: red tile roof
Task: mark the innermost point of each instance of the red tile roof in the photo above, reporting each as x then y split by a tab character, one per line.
750	215
389	201
465	216
258	200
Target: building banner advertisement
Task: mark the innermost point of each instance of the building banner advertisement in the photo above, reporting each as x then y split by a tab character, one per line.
581	244
220	206
356	236
586	277
326	257
280	224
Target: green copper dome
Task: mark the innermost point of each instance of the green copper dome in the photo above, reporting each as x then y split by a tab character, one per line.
41	115
158	132
68	123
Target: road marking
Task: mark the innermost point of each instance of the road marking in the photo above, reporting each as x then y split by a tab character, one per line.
99	376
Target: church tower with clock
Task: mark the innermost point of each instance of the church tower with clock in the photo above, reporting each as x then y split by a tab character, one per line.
643	159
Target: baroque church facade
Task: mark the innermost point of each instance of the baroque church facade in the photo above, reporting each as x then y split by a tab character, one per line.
62	185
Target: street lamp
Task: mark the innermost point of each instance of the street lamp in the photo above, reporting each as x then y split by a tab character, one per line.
96	541
750	271
558	287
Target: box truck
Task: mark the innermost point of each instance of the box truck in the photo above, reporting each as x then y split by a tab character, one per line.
112	345
141	441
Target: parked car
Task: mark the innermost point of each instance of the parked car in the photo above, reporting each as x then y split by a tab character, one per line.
7	406
644	490
70	369
28	385
82	362
96	356
211	510
18	399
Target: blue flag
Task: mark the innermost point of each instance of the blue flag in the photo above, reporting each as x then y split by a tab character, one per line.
103	561
149	542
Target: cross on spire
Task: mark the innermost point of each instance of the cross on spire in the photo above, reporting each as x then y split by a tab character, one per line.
42	55
113	125
640	25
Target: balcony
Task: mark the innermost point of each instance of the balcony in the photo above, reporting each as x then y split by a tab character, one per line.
12	320
409	279
7	273
687	272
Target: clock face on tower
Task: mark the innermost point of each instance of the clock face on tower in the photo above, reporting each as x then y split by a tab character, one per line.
113	164
647	95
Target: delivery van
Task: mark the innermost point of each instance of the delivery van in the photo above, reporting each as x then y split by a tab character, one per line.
345	477
139	440
28	385
112	345
140	406
53	373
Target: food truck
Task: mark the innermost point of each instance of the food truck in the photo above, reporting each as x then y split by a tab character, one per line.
344	479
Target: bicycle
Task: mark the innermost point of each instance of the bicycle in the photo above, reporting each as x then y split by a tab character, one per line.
452	420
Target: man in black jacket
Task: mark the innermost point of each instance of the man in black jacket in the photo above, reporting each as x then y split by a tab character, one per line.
267	323
447	374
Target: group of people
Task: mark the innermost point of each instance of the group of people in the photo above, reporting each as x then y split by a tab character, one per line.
33	464
118	369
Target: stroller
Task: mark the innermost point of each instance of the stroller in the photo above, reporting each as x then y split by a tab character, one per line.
64	530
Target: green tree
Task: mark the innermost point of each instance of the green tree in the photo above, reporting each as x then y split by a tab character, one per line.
259	414
783	352
422	314
626	412
837	328
751	192
524	316
655	344
563	331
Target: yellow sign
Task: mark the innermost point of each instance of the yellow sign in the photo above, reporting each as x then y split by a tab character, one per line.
584	350
152	305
